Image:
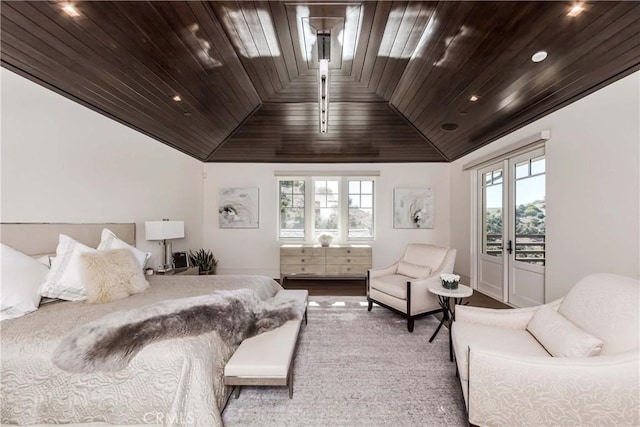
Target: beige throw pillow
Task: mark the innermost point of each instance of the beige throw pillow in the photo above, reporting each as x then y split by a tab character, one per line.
111	275
413	270
560	337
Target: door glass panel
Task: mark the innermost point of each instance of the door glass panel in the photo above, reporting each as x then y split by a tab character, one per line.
522	169
530	214
492	213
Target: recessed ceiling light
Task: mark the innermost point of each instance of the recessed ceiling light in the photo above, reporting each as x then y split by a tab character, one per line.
575	10
177	98
449	127
474	98
539	56
71	11
187	114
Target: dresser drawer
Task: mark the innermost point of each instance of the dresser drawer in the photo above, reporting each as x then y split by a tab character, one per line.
301	269
349	252
364	260
347	270
301	251
302	260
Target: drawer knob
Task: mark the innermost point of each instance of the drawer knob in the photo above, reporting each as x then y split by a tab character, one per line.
348	251
302	251
348	268
302	269
348	259
302	260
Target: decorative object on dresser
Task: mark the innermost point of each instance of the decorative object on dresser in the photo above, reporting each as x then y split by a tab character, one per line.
336	261
164	231
403	287
239	208
204	260
573	361
413	208
325	240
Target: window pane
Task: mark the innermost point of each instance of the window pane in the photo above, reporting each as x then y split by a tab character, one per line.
332	187
367	187
366	202
497	176
522	170
321	201
360	223
285	186
354	187
332	201
326	222
354	201
537	166
298	201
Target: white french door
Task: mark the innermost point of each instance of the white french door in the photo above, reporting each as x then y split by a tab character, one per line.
511	229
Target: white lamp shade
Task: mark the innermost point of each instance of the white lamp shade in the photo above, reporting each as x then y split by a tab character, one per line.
163	230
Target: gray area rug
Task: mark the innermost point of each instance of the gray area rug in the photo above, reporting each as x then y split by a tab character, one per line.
359	368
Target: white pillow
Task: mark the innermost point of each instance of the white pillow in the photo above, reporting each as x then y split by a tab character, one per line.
21	276
64	278
413	270
111	275
110	241
560	337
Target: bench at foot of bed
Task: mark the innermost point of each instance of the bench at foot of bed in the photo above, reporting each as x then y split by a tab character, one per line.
267	359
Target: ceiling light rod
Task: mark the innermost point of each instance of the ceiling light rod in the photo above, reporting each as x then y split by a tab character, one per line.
323	95
324	45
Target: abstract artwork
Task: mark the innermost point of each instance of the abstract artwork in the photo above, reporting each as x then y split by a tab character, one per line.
238	208
413	208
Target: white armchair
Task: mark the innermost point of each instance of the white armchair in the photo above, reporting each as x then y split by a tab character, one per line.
574	361
403	287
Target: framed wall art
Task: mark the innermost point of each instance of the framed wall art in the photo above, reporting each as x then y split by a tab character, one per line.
413	208
239	208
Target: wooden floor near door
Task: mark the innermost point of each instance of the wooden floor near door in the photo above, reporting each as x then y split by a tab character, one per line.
358	288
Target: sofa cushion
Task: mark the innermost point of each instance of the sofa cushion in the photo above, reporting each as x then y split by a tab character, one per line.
394	285
413	270
560	337
465	335
606	306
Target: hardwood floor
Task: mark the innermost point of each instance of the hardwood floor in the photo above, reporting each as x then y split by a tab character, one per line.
358	288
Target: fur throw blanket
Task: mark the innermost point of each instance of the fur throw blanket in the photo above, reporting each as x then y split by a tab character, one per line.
109	343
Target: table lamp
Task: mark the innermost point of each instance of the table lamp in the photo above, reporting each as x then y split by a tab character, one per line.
164	231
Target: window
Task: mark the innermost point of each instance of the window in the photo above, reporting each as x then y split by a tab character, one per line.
342	207
292	209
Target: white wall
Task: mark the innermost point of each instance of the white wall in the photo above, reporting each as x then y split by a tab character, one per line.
255	251
62	162
593	188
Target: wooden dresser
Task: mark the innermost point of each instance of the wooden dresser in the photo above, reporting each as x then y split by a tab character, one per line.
335	261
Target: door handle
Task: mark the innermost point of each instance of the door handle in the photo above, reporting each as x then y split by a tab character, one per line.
509	247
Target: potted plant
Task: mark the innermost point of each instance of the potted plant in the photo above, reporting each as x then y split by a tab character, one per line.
204	260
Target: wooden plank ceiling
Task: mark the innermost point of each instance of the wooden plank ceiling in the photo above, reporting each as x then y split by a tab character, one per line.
246	72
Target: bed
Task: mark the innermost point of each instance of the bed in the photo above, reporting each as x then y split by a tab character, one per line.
171	382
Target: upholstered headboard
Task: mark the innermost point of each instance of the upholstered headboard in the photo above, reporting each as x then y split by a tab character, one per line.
42	238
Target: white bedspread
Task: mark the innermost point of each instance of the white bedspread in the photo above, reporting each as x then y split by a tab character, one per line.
173	382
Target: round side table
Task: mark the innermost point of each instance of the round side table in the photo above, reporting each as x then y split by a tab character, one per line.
448	311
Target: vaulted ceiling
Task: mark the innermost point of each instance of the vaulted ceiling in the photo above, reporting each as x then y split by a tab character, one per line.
402	74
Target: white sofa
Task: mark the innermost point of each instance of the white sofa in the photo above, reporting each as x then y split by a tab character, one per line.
403	287
509	378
